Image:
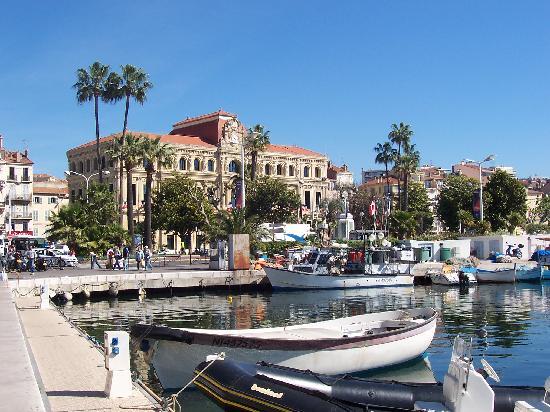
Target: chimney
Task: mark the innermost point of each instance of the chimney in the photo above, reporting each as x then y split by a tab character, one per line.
26	153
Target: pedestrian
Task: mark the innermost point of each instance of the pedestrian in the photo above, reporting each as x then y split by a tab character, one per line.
147	257
118	257
110	256
139	257
94	261
126	256
31	256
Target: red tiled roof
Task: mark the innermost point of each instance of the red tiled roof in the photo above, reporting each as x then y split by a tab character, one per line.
291	150
379	181
167	138
16	157
48	190
204	116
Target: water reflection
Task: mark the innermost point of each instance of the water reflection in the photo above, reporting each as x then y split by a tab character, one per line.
508	323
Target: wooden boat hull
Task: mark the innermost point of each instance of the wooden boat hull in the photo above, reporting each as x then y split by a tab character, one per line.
173	358
286	279
529	274
501	276
545	275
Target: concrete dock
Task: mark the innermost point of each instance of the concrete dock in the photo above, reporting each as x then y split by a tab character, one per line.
72	370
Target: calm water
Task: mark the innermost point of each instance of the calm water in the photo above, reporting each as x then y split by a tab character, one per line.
509	324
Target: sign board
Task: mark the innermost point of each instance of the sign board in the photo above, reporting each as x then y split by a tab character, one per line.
138	239
13	233
476	209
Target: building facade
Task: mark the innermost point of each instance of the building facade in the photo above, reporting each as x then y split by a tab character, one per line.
16	176
49	194
208	151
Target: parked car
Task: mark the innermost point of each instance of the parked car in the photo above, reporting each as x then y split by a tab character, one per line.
56	257
165	251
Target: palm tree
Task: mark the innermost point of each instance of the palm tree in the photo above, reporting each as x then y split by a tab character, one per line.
154	154
401	136
132	155
91	85
408	163
133	83
385	154
257	141
116	151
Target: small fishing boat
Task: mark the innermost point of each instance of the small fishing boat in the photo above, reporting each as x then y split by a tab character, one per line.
545	272
444	277
528	274
350	344
262	386
496	276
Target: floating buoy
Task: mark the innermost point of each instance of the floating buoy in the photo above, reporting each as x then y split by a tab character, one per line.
113	289
230	299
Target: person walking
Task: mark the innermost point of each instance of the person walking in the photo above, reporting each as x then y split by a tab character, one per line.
125	256
147	257
110	256
118	257
139	257
31	256
94	261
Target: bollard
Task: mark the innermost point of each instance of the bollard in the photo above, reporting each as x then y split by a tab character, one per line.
45	296
3	275
117	363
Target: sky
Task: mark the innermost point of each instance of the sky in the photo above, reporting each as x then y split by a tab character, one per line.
470	77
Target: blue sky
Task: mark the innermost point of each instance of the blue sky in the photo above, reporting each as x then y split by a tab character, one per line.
471	77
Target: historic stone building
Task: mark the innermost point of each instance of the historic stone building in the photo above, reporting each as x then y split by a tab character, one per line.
49	195
209	152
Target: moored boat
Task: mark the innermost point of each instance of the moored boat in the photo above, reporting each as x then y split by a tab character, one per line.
447	278
528	274
358	343
496	276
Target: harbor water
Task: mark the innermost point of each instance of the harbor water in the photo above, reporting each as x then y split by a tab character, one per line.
509	324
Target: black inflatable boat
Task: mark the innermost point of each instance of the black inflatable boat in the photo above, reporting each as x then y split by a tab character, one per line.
266	387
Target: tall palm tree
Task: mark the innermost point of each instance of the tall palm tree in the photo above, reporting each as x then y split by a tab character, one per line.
133	83
92	84
408	163
257	141
153	154
401	136
117	152
132	155
385	154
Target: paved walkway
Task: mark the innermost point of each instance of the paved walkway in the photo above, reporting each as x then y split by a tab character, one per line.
18	385
71	368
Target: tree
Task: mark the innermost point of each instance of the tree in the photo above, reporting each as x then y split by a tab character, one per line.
456	194
401	136
419	205
270	200
93	84
403	224
88	226
385	154
133	83
331	208
235	221
407	164
132	154
181	206
506	196
542	210
256	141
153	154
359	202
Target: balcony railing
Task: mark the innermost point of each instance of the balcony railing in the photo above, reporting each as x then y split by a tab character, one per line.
19	215
26	197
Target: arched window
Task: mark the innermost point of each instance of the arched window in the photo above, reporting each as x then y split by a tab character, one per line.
87	165
80	167
291	170
279	170
267	170
183	164
233	166
197	164
73	167
317	172
210	165
306	171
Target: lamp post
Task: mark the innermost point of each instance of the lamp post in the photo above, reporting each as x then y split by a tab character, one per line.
87	179
479	163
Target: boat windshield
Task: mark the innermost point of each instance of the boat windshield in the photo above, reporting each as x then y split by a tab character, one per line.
312	258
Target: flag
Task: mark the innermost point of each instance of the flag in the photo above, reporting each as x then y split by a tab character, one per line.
372	208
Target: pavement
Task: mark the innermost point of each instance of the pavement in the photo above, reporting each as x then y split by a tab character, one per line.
71	368
19	388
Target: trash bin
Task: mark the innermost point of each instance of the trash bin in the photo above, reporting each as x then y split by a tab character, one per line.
445	254
426	254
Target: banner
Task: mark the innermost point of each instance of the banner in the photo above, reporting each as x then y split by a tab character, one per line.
372	208
476	209
239	194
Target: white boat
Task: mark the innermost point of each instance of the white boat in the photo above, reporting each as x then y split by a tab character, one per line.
336	346
445	278
528	274
289	279
496	276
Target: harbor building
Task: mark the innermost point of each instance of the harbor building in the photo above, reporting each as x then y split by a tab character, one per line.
16	177
49	194
208	151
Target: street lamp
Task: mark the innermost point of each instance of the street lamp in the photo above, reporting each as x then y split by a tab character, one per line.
70	173
479	163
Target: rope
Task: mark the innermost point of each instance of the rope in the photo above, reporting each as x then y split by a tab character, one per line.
174	397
